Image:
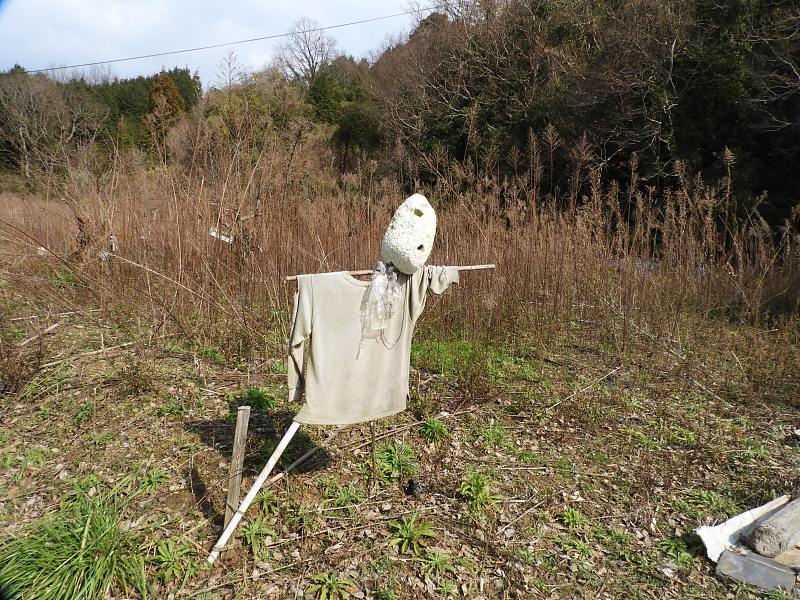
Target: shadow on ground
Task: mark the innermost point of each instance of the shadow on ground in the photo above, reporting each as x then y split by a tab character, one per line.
266	428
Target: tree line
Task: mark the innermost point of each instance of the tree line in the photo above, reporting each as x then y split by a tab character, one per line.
486	84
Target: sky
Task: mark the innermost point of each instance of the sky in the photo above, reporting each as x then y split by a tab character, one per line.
48	33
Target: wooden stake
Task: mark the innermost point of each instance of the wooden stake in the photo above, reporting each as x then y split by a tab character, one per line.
237	462
251	495
374	468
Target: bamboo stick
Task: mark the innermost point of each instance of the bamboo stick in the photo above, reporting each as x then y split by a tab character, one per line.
369	271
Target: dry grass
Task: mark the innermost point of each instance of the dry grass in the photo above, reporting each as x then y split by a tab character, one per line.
590	477
634	259
628	371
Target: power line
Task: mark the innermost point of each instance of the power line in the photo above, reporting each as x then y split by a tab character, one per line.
247	41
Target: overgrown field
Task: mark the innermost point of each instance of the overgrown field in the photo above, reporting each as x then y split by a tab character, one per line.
555	469
628	372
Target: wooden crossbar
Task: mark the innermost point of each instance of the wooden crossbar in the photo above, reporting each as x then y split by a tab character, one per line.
369	271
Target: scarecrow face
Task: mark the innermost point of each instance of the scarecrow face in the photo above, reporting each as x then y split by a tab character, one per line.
409	239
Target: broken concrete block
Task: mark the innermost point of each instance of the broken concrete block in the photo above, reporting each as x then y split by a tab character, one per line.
762	572
725	535
777	532
790	557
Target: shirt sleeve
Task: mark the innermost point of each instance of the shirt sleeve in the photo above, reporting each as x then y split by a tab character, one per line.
301	330
435	279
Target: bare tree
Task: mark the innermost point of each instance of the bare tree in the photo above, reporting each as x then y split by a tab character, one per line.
229	71
305	51
41	122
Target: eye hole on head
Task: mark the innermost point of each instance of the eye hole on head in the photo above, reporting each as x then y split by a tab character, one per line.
421	247
418	212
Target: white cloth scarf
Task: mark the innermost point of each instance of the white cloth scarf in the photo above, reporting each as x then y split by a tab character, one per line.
380	300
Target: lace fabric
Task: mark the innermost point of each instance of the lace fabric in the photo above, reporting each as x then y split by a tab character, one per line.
380	300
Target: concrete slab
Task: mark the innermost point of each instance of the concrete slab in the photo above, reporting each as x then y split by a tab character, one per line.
762	572
726	535
777	532
790	557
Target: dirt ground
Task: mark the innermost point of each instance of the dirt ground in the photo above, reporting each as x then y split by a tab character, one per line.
563	470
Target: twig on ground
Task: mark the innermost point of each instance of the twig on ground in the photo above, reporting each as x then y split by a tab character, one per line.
58	315
706	390
396	430
36	336
370	523
510	523
583	389
244	578
94	352
82	354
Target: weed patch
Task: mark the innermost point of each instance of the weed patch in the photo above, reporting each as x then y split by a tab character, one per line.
700	505
83	550
395	461
330	586
258	536
476	489
409	533
433	430
258	398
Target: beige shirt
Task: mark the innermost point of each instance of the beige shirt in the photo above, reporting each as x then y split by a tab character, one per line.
343	384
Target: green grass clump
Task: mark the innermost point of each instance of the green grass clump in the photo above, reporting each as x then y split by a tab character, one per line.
682	437
455	358
343	496
640	438
447	358
258	398
476	489
574	519
305	520
153	480
279	367
84	413
438	563
700	504
173	407
258	536
173	559
268	502
677	550
212	354
395	461
495	434
329	586
64	279
82	550
433	430
410	534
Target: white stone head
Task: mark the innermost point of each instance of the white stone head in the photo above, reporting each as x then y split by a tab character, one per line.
408	241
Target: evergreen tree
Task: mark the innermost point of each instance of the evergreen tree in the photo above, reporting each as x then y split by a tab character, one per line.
166	107
325	96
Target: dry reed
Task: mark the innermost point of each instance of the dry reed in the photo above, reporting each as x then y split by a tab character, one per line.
136	237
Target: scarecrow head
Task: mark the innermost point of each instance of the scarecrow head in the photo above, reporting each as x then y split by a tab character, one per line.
409	238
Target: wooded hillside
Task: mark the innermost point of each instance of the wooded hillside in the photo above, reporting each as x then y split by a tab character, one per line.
693	81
